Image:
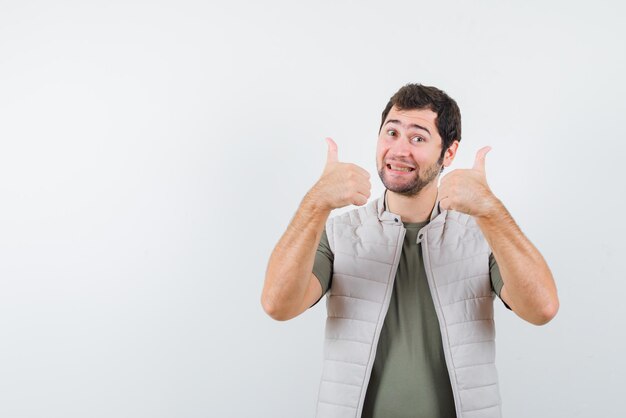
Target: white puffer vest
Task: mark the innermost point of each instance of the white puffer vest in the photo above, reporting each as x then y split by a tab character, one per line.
367	243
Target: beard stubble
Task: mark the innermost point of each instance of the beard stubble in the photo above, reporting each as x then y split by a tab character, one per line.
418	183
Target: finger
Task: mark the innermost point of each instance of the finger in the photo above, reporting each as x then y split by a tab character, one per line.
361	171
444	187
443	181
332	156
444	203
479	162
365	189
359	199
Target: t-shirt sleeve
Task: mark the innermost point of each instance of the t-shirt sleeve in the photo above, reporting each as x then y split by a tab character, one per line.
496	278
323	266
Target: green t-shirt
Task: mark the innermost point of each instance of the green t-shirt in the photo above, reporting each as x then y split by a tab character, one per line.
409	378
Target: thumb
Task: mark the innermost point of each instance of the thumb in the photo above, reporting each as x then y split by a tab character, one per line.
332	156
479	162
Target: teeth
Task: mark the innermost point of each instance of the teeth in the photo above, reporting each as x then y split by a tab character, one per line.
393	167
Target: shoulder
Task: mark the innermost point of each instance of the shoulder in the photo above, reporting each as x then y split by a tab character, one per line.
346	223
460	226
356	217
461	219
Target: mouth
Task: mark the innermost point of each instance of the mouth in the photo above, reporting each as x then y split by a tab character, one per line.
400	168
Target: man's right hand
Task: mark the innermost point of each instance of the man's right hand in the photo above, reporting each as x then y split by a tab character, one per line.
290	286
341	184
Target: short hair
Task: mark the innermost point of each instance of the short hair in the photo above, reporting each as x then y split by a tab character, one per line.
417	96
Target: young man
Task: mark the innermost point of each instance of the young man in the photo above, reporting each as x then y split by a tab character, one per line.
411	276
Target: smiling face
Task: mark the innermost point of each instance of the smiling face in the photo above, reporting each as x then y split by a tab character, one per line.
408	154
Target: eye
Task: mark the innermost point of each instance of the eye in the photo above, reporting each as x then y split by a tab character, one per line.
391	132
417	139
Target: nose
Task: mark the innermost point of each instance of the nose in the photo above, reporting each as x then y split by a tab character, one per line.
401	146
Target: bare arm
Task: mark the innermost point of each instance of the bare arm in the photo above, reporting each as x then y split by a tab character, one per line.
529	287
290	286
288	274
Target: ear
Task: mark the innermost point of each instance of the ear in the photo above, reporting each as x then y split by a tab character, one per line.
450	153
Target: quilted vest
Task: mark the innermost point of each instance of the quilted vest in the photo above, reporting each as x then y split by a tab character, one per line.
367	243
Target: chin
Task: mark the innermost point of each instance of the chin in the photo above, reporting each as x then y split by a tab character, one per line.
392	181
411	186
404	188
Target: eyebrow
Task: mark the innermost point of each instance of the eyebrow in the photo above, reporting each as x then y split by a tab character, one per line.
413	125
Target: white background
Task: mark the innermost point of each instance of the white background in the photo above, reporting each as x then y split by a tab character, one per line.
152	153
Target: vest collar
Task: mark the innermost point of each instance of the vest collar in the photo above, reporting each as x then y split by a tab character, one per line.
389	217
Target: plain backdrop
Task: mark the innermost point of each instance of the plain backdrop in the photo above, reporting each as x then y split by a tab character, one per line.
152	153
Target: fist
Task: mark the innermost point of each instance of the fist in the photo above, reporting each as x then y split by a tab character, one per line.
466	190
341	184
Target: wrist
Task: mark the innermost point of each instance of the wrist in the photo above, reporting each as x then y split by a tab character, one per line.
315	203
491	208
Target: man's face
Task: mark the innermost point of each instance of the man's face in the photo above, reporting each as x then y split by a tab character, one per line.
409	150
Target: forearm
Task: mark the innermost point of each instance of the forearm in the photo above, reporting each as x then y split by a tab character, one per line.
529	287
291	263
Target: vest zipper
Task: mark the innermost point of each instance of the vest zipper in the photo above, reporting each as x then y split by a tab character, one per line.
444	332
381	321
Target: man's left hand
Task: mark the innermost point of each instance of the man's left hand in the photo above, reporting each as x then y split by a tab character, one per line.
466	190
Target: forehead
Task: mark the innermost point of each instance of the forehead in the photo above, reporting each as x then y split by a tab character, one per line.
422	117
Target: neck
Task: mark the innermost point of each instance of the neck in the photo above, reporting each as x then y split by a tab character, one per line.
416	208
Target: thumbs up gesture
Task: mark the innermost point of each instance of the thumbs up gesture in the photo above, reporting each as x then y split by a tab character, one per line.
466	190
341	184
